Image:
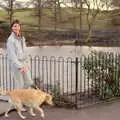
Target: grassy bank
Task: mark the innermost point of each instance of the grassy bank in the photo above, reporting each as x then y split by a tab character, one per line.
69	18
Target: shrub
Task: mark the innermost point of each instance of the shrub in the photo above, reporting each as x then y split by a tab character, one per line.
103	70
5	26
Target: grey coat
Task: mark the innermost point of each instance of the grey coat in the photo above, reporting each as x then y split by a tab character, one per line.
16	50
17	58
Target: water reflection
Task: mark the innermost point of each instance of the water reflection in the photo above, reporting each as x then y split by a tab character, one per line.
67	51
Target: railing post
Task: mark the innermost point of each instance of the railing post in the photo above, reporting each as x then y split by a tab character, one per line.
76	82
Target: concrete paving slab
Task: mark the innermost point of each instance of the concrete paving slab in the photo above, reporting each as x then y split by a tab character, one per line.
110	111
3	106
100	112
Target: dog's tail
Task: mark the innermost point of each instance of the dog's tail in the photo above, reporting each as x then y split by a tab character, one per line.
35	87
3	92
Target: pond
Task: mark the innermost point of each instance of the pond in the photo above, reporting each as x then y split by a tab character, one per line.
68	51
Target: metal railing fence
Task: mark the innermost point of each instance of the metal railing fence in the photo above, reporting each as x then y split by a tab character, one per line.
75	82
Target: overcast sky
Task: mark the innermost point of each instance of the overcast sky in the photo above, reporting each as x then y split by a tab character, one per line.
92	5
21	0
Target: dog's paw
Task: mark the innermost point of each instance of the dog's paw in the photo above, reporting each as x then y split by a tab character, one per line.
23	109
23	117
42	116
6	115
33	114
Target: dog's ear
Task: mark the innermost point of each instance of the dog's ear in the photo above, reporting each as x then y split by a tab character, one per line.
47	96
49	99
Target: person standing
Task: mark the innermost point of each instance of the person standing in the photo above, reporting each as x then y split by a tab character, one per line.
15	49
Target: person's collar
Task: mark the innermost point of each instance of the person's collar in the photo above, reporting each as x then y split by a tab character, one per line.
15	36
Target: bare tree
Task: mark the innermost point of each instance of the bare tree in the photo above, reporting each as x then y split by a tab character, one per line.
116	3
76	3
38	6
8	6
93	9
108	4
55	5
11	10
81	7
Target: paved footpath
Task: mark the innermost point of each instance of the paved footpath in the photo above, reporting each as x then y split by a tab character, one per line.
109	111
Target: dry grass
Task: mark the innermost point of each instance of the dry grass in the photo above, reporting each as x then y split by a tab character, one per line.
68	19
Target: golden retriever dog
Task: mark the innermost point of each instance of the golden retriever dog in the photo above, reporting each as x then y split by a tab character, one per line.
32	98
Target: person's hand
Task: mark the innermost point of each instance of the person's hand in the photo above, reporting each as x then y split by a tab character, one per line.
1	51
22	70
29	68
